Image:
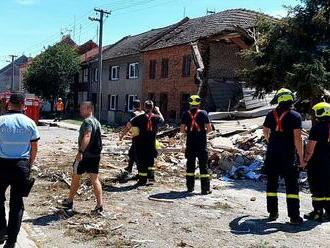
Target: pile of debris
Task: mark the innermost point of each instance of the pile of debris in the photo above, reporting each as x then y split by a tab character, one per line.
240	156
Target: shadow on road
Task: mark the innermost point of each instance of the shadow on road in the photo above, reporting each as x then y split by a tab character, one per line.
48	219
244	225
44	220
172	195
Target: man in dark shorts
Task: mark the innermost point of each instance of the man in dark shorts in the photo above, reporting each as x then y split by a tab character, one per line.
282	130
88	157
145	142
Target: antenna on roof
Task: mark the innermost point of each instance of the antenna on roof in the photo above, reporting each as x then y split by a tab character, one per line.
184	12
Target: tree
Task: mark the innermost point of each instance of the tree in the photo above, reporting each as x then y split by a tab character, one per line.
52	72
294	52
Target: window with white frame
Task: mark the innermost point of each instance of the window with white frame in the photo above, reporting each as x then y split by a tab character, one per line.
95	75
113	102
85	75
133	70
130	100
114	72
82	96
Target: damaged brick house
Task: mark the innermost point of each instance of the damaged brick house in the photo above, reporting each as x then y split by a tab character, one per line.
123	71
211	44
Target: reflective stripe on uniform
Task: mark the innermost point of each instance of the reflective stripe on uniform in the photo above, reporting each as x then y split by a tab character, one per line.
278	120
319	198
292	196
143	174
327	198
194	123
190	174
271	194
151	168
149	123
204	176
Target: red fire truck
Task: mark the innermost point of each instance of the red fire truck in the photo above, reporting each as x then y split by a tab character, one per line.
32	105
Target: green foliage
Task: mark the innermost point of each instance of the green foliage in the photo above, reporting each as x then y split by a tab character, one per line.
294	52
51	72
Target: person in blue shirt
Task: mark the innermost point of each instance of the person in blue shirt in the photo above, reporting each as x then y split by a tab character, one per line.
18	149
282	130
317	159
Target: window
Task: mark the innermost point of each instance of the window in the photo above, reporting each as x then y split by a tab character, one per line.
94	98
112	102
85	75
82	96
151	96
152	69
186	66
133	70
95	75
164	68
114	72
129	102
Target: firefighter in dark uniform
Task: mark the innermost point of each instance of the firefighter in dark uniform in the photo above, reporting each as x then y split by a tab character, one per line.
131	153
282	130
196	124
145	141
317	158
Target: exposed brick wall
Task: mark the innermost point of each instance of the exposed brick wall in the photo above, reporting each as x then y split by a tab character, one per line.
224	61
175	85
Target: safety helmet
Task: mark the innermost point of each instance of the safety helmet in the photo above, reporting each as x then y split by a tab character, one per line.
195	100
284	95
135	131
322	109
60	99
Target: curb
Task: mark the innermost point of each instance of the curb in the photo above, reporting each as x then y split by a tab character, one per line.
59	125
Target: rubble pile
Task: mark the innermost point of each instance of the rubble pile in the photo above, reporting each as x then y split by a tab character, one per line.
240	156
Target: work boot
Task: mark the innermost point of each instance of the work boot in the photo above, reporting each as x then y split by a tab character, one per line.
326	216
141	183
190	190
206	192
272	217
3	235
205	185
97	210
316	215
9	244
67	204
296	221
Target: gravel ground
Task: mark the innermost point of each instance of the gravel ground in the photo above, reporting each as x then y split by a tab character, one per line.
229	217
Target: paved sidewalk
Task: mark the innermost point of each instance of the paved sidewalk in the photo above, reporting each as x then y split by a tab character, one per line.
61	124
23	240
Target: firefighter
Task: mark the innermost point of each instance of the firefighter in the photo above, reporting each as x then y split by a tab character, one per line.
282	130
145	141
195	124
317	158
131	154
59	110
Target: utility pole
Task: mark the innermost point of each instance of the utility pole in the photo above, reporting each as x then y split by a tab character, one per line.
13	71
101	13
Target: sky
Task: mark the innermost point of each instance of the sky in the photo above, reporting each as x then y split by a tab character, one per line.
27	26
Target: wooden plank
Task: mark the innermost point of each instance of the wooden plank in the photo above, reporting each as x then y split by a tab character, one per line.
198	55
